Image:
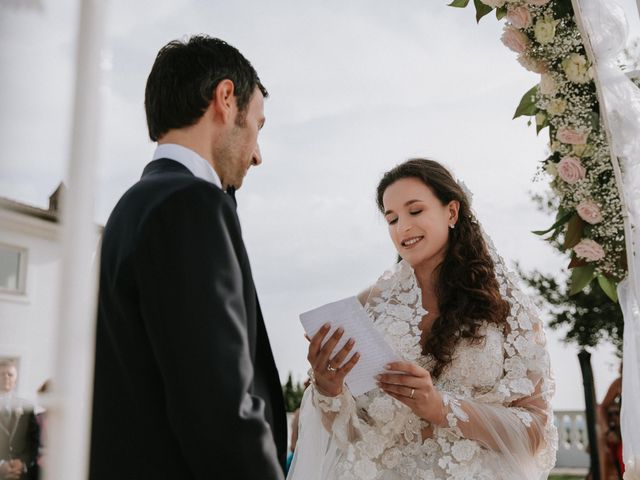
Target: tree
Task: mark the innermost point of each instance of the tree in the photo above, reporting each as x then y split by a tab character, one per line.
292	394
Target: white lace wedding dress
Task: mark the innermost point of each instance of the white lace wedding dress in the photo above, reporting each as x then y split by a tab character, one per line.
497	395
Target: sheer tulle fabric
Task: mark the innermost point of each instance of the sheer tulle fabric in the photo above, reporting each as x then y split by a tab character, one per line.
605	26
496	394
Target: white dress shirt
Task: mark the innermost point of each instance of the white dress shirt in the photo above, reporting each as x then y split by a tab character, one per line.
190	159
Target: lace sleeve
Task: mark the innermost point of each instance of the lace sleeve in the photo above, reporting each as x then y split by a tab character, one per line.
514	419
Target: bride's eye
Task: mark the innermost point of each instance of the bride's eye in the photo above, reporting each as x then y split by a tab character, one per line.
392	221
415	212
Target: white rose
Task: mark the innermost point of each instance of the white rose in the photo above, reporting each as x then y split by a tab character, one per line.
557	106
576	68
547	85
545	30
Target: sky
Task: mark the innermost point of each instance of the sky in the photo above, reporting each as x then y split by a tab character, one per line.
355	88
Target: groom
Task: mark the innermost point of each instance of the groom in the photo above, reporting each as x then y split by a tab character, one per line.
185	382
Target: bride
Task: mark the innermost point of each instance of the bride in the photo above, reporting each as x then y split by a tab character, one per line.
471	400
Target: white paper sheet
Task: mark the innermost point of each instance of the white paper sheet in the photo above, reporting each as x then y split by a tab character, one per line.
374	350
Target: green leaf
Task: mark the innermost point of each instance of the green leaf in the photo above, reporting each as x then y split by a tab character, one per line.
459	3
609	287
581	277
544	125
561	221
575	228
481	10
501	13
527	104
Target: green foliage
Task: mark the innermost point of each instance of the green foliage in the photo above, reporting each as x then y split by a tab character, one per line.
589	316
527	106
459	3
501	12
609	287
580	278
561	221
481	10
292	394
575	229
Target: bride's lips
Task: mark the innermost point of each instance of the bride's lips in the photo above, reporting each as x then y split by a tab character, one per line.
411	241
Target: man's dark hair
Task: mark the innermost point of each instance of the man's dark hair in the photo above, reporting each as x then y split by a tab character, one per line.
184	76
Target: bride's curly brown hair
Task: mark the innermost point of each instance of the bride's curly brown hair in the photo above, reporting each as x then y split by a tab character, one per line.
466	286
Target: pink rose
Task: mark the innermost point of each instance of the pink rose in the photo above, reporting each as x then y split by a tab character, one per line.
514	39
590	250
572	136
589	212
533	65
538	2
570	170
519	17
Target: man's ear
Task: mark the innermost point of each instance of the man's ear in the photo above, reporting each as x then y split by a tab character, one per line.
223	101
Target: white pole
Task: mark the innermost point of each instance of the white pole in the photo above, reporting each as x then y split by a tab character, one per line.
69	417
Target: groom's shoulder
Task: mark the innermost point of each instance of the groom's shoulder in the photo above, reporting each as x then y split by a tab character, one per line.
163	194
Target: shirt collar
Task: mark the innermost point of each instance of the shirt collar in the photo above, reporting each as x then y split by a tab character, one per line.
190	159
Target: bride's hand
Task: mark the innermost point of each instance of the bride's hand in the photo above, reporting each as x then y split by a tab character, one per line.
414	388
329	372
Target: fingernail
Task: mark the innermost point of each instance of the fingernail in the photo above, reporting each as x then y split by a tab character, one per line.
326	326
340	330
388	366
378	377
351	342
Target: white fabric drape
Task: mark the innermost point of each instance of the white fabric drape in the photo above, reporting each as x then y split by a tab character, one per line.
604	27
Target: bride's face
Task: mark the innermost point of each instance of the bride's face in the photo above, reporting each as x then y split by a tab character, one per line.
418	221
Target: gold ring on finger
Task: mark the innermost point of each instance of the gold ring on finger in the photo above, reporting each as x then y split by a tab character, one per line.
330	368
413	390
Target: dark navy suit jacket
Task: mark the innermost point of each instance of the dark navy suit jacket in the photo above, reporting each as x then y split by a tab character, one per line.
185	382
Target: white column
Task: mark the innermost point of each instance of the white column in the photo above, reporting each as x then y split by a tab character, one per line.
70	410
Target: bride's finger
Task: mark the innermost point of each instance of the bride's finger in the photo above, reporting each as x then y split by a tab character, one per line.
346	368
400	390
400	379
407	367
339	357
327	348
316	343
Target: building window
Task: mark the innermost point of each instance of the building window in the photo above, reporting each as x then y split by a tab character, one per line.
12	269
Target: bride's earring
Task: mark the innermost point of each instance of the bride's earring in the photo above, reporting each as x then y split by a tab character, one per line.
452	226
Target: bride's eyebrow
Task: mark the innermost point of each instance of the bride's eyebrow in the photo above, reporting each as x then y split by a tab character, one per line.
409	202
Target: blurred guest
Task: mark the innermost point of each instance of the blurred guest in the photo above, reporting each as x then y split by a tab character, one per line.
18	428
609	418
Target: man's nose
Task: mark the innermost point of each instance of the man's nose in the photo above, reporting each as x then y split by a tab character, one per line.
256	159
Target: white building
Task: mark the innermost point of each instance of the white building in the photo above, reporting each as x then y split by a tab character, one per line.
29	276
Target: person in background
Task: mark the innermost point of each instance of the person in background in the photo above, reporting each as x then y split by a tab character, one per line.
18	429
609	419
